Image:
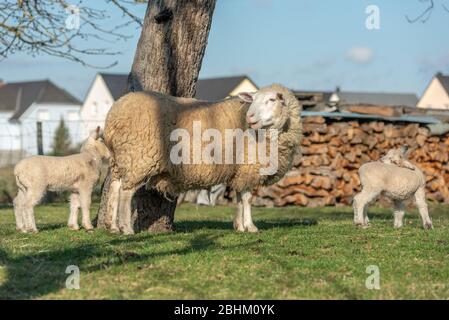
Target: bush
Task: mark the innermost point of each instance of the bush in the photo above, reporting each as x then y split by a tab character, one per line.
8	188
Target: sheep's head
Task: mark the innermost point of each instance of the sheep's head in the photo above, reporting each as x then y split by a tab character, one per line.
269	108
95	142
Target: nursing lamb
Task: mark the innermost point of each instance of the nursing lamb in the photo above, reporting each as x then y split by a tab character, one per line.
76	173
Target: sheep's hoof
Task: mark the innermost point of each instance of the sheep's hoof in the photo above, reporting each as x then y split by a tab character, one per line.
398	226
88	228
73	227
251	228
32	231
239	227
22	230
114	230
362	225
127	231
428	226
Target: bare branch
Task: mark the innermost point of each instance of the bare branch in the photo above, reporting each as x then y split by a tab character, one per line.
53	27
425	15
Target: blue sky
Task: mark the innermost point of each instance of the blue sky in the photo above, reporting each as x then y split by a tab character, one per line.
304	44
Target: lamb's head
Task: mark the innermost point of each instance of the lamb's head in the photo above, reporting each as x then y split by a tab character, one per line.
270	107
95	143
395	156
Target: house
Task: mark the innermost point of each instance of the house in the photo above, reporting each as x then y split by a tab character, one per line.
23	104
436	95
107	88
373	98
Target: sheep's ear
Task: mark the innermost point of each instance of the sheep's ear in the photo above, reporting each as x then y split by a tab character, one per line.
97	133
246	96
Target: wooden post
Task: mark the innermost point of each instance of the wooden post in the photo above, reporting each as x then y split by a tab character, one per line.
40	145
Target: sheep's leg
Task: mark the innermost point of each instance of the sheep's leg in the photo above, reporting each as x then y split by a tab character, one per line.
247	218
420	199
19	211
112	207
33	197
238	220
124	212
85	200
74	208
398	214
360	204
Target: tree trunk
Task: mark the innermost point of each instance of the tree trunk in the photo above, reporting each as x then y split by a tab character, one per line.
168	60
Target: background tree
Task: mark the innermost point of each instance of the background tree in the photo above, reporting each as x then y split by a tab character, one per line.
168	60
61	140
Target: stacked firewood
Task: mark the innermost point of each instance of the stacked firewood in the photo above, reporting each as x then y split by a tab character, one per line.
332	152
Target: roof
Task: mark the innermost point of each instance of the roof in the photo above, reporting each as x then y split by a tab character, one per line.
19	96
214	89
349	115
116	83
376	98
444	80
206	89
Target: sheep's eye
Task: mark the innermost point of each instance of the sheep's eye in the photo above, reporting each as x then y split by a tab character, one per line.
272	100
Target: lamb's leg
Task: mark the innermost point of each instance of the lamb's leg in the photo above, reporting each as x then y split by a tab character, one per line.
360	204
74	208
247	218
420	199
112	207
85	200
398	214
124	212
238	220
33	197
19	211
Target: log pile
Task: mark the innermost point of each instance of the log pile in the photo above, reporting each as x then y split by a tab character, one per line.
332	151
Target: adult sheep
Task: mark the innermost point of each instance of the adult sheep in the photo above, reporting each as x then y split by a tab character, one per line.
396	178
139	128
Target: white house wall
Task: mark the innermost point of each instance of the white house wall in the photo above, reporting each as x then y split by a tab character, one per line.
9	133
50	115
96	106
435	97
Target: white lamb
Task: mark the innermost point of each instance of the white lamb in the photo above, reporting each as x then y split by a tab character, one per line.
76	173
399	183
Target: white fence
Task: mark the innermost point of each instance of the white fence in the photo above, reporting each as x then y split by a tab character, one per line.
19	140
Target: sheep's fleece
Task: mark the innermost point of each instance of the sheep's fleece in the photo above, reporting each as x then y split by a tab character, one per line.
138	128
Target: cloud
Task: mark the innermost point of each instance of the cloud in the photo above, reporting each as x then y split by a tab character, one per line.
360	55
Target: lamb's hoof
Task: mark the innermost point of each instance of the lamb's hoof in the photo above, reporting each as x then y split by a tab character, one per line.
362	225
33	231
22	230
73	227
428	226
251	228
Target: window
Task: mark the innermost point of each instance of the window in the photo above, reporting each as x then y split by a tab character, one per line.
43	115
73	116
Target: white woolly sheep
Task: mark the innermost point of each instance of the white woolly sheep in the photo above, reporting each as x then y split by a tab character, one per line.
397	183
76	173
138	133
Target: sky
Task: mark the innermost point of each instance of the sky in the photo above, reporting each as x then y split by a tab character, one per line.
303	44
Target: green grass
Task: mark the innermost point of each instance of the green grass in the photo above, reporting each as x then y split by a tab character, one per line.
290	258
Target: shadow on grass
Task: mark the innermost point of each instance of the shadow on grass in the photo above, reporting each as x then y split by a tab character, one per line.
35	275
192	225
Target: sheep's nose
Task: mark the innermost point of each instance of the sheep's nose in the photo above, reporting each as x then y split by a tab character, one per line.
248	117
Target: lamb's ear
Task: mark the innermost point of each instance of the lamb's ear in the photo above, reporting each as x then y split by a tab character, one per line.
97	133
246	96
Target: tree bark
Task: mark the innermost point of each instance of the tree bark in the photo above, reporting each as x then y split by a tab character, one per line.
168	60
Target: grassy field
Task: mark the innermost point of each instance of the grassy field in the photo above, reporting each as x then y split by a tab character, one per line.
291	258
